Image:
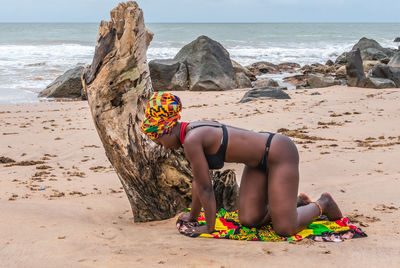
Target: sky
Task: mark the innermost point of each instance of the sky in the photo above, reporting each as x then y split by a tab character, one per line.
205	10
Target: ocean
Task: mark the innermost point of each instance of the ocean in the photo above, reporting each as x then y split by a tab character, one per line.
33	55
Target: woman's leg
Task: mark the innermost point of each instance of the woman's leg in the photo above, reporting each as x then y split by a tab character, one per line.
283	184
253	199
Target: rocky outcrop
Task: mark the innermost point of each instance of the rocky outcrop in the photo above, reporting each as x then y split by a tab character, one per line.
395	61
366	43
68	85
370	50
168	75
354	69
386	72
397	40
264	93
208	64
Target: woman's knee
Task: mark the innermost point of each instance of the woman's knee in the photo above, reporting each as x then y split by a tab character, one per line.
250	220
285	229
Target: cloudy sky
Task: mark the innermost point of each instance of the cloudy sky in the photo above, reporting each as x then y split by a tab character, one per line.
206	10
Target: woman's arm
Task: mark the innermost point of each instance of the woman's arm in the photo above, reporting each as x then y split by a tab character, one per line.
202	186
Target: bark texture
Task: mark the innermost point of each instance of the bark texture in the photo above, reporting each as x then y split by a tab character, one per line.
118	86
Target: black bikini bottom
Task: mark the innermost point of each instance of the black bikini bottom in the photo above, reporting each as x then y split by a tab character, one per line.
263	163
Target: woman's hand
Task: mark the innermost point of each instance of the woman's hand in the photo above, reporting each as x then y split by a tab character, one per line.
196	231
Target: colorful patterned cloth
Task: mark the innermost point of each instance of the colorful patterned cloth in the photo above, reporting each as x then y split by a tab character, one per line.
227	226
161	115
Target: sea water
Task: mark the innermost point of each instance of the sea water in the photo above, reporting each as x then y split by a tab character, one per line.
33	55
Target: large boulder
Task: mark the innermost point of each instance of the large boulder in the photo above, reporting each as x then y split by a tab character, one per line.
397	40
366	43
370	50
372	54
209	65
395	61
317	81
264	93
379	83
68	85
263	67
386	72
168	75
354	69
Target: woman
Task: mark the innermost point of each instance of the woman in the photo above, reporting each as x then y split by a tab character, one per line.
270	180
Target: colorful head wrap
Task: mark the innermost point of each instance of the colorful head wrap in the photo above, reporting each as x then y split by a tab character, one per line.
161	115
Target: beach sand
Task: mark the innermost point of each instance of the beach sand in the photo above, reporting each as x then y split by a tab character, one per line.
69	210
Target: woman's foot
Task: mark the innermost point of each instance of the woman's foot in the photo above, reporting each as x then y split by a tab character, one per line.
303	200
329	207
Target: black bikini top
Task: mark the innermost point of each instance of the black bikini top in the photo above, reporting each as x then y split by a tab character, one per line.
216	161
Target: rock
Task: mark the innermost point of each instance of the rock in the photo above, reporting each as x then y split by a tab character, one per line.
387	72
342	58
168	75
68	85
354	69
296	80
315	93
317	68
329	63
288	67
395	61
385	60
264	93
369	64
372	54
316	81
263	67
238	68
209	66
397	40
265	82
341	72
242	81
366	43
373	82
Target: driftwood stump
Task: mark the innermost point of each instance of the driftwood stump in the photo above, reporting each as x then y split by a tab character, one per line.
118	86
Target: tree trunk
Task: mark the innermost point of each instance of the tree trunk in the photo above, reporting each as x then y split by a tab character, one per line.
118	86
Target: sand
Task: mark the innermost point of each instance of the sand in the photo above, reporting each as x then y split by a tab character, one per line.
68	209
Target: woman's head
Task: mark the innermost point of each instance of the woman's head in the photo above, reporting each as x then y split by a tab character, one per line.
161	115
